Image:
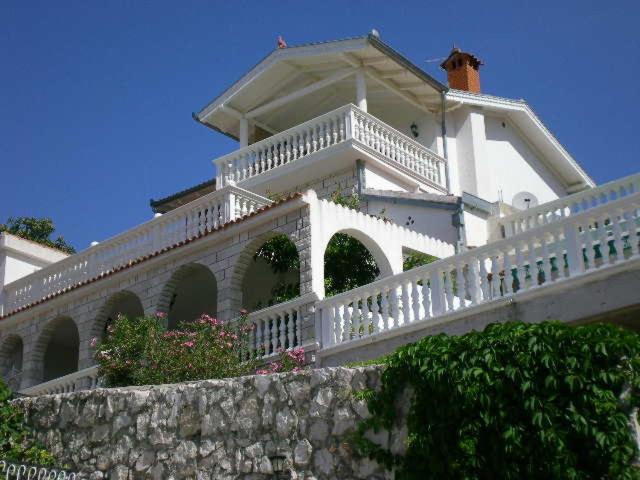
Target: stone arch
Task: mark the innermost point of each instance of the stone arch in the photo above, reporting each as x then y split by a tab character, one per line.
11	360
251	276
382	267
123	302
382	258
191	291
57	349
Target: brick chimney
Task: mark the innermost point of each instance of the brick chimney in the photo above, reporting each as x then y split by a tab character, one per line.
462	70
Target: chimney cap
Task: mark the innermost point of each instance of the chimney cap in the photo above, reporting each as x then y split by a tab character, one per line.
455	51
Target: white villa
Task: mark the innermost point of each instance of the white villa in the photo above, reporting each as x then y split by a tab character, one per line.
478	181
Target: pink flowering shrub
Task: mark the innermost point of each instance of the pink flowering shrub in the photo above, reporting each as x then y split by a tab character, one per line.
288	361
141	351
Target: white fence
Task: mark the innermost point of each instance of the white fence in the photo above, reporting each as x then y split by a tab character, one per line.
85	379
567	206
277	327
340	125
188	221
549	253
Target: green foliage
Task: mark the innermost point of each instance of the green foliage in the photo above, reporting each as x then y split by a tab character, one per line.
141	351
417	259
280	253
37	230
515	401
347	262
16	441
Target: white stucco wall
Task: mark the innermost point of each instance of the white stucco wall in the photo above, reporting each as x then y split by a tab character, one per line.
475	227
514	166
436	223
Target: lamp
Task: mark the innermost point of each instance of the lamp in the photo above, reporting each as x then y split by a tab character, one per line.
279	467
414	130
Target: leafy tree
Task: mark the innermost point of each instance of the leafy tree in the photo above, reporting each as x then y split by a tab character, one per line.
516	401
16	441
37	230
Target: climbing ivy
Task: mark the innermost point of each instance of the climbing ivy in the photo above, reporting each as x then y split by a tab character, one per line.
514	401
16	441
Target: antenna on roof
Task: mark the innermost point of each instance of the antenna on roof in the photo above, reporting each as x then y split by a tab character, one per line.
375	33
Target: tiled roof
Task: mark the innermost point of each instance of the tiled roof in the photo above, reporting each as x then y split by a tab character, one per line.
157	204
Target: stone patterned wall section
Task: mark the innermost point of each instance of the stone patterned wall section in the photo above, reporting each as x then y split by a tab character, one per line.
222	429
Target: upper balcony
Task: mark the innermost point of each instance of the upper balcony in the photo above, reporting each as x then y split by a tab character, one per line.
329	142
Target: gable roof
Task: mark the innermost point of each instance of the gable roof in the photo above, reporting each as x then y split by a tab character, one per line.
297	67
554	155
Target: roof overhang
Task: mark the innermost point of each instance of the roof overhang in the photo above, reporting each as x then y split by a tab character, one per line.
320	78
556	158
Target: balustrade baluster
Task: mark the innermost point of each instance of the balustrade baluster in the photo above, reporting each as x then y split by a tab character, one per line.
356	319
461	284
484	281
273	333
617	236
415	299
384	305
337	324
533	263
314	139
406	302
394	302
632	231
376	317
283	330
448	290
426	297
346	332
291	328
258	325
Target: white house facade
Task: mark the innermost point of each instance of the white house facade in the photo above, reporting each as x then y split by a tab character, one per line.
475	180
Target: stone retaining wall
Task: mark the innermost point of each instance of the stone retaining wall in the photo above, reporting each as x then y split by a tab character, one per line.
218	429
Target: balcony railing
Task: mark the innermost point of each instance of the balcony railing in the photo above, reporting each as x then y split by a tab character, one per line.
567	206
345	124
188	221
85	379
571	247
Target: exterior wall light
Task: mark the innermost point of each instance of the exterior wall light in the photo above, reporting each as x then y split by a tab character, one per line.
279	467
414	130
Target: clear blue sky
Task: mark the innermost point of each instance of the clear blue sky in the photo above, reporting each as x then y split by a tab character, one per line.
96	97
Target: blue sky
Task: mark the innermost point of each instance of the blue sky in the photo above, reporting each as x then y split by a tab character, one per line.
96	97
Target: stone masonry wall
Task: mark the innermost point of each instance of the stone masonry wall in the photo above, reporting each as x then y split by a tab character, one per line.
218	429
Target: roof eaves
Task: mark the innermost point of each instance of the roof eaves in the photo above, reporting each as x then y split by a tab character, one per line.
522	106
405	62
155	203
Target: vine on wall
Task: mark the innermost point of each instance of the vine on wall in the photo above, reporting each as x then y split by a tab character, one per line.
515	401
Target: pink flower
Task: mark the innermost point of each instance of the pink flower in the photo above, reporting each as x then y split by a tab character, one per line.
243	311
94	342
262	372
160	314
110	328
189	344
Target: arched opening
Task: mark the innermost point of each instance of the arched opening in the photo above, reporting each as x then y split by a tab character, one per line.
272	275
122	303
349	263
61	343
191	291
11	361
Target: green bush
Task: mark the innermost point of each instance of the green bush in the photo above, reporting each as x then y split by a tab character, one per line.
141	351
16	441
515	401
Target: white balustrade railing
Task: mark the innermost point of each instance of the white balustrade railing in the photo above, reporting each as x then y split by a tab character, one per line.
561	208
398	149
574	246
347	123
85	379
188	221
277	327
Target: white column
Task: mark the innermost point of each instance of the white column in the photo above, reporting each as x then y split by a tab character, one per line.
244	132
361	91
